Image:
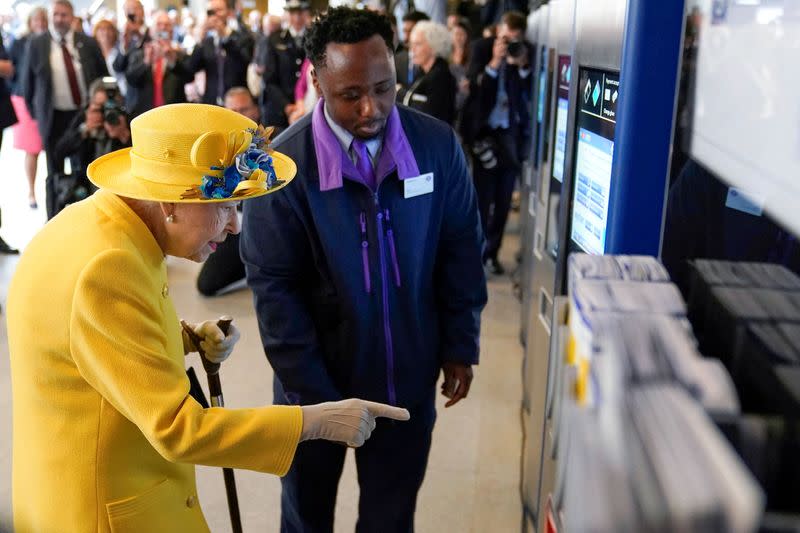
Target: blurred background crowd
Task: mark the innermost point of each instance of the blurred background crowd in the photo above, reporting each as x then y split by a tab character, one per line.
72	78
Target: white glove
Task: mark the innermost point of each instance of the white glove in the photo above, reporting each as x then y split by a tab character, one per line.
215	344
349	421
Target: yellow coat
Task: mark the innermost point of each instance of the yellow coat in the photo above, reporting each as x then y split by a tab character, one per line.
105	432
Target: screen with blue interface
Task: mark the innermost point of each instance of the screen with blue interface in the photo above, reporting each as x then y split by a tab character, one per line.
596	122
564	73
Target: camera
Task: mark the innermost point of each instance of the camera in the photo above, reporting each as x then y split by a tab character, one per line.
516	48
131	17
112	109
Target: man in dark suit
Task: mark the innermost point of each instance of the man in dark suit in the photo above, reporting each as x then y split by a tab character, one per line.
134	37
157	73
283	58
403	63
60	67
496	124
225	52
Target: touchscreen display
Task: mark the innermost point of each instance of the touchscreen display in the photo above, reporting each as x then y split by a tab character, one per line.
596	121
564	73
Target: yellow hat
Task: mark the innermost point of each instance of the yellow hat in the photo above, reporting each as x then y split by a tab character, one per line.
193	153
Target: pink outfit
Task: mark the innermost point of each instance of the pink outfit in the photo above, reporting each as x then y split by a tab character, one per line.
26	131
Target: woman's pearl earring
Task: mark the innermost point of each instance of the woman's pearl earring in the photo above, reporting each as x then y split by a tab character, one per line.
171	218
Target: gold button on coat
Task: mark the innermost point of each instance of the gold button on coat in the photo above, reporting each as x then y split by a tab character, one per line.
165	290
191	501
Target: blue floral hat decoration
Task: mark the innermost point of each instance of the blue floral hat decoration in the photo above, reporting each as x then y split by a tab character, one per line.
194	153
249	167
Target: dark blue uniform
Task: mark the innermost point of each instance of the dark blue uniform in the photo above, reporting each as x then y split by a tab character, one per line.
365	293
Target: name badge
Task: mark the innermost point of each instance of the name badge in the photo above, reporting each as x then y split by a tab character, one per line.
418	186
746	202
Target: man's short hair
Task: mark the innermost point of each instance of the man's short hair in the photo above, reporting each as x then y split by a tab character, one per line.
415	16
100	85
515	21
65	3
240	91
345	25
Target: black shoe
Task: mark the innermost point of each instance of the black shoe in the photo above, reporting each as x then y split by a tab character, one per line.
6	249
493	266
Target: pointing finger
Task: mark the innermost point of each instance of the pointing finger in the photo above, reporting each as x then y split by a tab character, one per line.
387	411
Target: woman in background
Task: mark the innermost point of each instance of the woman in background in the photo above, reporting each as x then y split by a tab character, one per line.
459	60
107	36
26	132
434	90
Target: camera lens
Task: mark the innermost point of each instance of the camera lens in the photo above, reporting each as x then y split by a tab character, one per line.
131	17
516	48
210	13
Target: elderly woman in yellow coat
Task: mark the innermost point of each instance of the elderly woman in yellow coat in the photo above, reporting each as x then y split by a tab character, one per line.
105	434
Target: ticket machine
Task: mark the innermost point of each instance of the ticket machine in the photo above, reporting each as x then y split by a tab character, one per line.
607	170
553	75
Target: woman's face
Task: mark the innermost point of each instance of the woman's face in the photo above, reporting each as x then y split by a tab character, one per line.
105	36
459	36
39	22
197	228
421	52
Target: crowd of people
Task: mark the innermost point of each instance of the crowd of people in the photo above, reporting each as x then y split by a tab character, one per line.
74	85
367	265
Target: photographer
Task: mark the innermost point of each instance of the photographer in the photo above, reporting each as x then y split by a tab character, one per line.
496	124
224	53
98	130
157	73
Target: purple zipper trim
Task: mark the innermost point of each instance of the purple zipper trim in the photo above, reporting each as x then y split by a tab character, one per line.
365	253
387	328
392	249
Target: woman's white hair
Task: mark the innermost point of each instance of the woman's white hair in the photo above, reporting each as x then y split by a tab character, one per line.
437	36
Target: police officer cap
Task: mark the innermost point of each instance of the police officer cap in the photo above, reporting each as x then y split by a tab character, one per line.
297	5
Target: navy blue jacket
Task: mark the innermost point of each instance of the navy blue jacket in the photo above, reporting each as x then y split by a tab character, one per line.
368	310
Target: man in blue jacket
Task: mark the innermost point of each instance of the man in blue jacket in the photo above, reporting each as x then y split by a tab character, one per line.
366	272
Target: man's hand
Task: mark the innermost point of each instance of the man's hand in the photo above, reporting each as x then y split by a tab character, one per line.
348	421
120	131
149	53
499	52
170	53
6	68
457	380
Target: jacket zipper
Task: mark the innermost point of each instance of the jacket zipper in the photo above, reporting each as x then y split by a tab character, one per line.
365	253
392	248
387	328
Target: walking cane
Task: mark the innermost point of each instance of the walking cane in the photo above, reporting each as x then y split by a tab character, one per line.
215	391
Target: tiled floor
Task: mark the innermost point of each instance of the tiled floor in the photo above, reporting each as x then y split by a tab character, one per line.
472	481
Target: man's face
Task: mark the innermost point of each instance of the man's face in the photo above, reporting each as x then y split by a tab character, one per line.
358	84
507	34
98	100
271	24
243	104
220	9
298	19
61	16
163	26
408	25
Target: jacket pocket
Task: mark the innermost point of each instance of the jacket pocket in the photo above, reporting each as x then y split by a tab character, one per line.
163	507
